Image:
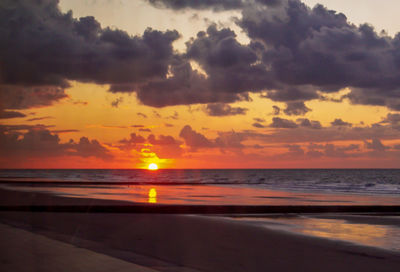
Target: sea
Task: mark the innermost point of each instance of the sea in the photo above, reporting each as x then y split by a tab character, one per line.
239	187
216	186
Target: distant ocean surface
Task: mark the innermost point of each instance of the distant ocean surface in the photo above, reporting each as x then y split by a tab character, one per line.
353	181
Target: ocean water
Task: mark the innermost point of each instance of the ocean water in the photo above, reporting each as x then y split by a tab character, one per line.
237	187
244	187
359	181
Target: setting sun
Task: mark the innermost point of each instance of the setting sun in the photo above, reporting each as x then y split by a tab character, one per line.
152	166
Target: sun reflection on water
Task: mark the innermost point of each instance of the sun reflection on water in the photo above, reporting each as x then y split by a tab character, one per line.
152	195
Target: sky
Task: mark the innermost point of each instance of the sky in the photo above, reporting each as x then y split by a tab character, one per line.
199	84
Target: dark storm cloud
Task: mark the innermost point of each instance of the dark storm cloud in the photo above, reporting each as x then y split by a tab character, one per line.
232	71
19	97
393	119
295	54
40	142
319	47
220	109
216	5
42	48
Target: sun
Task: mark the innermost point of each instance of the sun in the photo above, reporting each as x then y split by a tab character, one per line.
152	166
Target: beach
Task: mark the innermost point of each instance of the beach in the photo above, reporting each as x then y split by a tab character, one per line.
183	242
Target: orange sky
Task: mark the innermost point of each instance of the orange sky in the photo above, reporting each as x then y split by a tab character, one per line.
88	126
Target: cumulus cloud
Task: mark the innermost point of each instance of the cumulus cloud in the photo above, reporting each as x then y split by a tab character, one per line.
11	114
225	140
40	142
282	123
132	142
340	123
194	139
295	54
216	5
165	146
117	101
296	51
296	108
304	122
375	145
43	48
276	110
220	109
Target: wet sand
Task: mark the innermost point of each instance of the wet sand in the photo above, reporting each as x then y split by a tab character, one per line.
169	242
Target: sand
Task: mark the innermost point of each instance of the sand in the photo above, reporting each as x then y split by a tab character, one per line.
25	251
173	242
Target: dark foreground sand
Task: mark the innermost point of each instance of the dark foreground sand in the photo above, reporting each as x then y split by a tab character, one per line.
168	242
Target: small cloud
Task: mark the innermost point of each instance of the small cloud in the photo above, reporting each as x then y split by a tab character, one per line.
282	123
304	122
141	115
174	116
116	102
375	145
11	114
104	126
168	125
79	102
40	118
221	109
64	131
276	110
296	108
340	123
258	125
156	114
259	120
137	126
144	130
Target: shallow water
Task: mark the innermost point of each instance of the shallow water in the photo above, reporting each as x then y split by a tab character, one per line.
352	181
375	235
208	195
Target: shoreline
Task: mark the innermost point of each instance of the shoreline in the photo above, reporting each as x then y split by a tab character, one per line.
201	243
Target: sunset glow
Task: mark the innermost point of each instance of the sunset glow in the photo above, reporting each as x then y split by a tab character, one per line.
152	166
195	90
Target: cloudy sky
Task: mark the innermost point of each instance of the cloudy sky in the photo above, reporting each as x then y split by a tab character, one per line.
199	84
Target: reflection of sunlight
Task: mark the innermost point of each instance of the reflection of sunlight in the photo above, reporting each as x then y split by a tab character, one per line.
382	236
367	234
340	229
152	195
